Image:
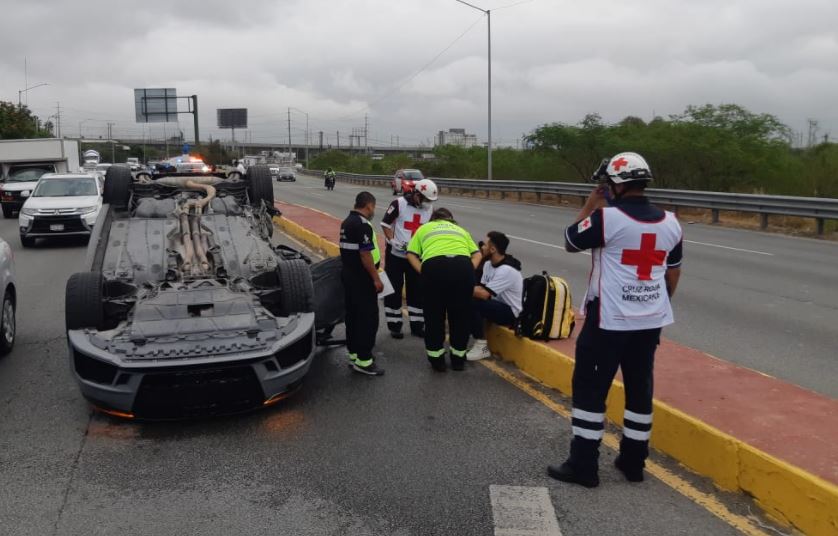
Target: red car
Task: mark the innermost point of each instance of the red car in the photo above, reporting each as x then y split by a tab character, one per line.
404	179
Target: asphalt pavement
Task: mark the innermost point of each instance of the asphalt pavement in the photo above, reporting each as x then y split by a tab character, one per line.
412	453
764	301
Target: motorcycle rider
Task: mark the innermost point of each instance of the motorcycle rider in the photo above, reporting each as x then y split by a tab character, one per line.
329	179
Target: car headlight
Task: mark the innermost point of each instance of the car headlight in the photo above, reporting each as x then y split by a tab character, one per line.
24	193
28	211
88	210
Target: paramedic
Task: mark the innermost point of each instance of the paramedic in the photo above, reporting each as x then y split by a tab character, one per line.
498	296
446	256
403	218
636	249
360	256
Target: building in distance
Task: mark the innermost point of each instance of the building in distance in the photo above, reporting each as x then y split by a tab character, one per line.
456	136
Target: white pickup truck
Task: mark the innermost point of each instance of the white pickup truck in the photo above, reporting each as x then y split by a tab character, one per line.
22	162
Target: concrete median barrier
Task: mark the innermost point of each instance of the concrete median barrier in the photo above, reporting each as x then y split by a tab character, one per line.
746	431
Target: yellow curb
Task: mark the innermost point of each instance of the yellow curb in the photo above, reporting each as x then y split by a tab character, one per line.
787	493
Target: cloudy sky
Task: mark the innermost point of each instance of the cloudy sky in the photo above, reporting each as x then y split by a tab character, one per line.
419	66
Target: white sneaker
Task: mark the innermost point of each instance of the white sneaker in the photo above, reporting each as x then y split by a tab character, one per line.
479	351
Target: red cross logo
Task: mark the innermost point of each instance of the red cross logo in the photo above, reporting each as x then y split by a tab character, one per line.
645	257
586	223
414	225
617	164
423	187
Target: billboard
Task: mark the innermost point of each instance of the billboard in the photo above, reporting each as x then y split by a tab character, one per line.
232	117
156	105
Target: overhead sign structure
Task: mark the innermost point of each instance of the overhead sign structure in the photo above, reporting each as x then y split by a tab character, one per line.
159	105
156	105
232	117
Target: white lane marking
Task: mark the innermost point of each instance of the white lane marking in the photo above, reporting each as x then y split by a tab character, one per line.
543	243
523	511
729	247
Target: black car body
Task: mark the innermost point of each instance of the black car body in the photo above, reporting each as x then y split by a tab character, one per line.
187	309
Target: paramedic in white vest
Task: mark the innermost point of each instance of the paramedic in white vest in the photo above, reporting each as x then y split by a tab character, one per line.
636	254
403	218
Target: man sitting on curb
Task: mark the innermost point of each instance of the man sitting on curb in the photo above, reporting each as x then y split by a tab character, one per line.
498	296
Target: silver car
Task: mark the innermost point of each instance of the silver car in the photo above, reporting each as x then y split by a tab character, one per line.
7	311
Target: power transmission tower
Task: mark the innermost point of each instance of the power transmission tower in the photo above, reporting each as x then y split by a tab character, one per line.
338	135
366	130
813	133
57	119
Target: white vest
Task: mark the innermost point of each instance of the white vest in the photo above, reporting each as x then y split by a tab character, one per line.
409	220
628	272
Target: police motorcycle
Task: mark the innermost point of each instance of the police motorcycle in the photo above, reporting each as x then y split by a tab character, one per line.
329	179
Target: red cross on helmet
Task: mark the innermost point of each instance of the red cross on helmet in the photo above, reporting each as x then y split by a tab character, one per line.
427	188
628	167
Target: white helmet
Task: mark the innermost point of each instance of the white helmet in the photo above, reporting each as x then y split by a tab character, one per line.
628	167
427	188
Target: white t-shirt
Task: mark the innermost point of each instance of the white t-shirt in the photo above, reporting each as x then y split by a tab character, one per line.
505	283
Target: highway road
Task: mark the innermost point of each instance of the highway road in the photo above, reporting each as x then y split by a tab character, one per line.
412	453
764	301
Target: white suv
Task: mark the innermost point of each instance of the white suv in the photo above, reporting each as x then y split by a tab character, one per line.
61	205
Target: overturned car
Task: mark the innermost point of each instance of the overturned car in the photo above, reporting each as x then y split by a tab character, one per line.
187	308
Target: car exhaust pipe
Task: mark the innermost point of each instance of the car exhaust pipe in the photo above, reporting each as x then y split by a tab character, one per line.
195	225
186	240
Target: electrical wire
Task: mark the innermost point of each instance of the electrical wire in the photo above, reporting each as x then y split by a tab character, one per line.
414	75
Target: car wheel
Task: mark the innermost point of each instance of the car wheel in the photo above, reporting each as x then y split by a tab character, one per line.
260	187
8	211
27	242
117	189
83	301
8	325
297	288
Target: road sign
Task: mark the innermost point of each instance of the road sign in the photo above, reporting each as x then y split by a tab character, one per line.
156	105
232	117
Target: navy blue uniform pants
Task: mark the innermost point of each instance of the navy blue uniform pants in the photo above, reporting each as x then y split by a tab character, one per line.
599	353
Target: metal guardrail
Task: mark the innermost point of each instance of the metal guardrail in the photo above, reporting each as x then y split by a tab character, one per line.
819	208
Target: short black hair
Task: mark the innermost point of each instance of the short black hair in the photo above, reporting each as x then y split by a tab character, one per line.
500	240
443	214
363	199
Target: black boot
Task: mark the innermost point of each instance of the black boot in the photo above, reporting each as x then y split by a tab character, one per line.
438	364
632	474
582	466
632	458
458	363
566	473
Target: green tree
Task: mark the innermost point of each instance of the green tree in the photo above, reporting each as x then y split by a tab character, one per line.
17	122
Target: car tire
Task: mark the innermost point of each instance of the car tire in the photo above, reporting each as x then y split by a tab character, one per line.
8	211
260	187
8	325
297	287
83	301
117	189
27	242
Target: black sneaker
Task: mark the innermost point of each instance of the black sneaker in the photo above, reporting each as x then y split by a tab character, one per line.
458	363
632	474
372	370
566	473
438	364
397	334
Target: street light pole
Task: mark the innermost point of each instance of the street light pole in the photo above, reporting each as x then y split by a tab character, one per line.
20	93
489	28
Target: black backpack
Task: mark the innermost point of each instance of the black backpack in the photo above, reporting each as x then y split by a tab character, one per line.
547	309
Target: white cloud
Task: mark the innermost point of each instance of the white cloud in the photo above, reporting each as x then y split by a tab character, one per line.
553	60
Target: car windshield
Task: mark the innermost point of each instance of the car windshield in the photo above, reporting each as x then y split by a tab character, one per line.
66	187
29	173
413	174
286	170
